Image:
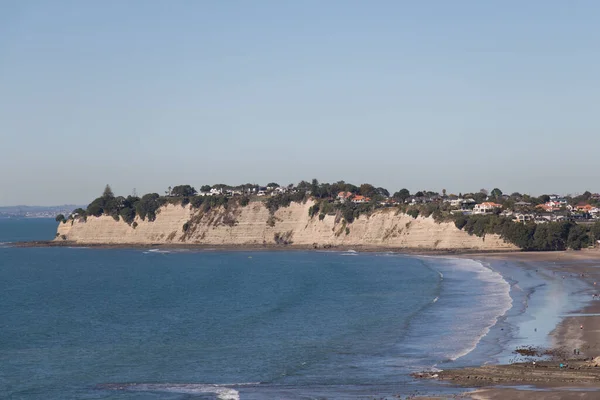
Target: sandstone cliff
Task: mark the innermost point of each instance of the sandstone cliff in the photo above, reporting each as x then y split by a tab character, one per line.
254	225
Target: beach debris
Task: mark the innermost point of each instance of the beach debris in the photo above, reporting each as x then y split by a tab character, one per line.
529	351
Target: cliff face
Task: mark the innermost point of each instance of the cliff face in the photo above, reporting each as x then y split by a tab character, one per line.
253	225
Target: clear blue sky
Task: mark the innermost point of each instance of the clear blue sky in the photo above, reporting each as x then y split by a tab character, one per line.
460	95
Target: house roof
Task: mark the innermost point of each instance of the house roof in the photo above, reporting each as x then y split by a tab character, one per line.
490	204
358	197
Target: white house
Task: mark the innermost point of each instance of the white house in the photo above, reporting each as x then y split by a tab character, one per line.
456	202
520	217
485	207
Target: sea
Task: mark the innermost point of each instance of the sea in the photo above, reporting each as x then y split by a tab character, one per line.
93	323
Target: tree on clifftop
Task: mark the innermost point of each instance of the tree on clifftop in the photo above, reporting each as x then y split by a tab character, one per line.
183	191
108	192
496	193
544	198
368	190
383	192
402	194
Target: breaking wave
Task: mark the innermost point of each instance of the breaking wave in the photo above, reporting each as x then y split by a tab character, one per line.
472	299
223	392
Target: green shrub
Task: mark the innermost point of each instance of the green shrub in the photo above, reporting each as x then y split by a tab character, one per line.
147	206
413	212
348	214
128	214
460	221
284	200
196	201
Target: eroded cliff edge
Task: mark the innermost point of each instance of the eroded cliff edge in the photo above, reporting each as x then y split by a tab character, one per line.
254	225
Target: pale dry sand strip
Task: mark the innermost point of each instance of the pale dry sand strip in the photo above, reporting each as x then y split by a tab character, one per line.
514	394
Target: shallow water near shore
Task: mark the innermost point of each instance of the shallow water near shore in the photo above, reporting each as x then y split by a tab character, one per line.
133	324
542	296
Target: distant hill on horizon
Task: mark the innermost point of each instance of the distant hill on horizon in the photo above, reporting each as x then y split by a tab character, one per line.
27	207
37	211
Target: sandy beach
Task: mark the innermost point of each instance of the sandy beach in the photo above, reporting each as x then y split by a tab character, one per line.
575	342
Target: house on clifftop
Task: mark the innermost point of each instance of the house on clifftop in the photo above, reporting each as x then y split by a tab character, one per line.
486	207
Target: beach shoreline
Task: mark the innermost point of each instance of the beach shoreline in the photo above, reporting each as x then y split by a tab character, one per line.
413	251
573	341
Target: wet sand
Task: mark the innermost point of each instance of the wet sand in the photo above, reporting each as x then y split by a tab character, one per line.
555	394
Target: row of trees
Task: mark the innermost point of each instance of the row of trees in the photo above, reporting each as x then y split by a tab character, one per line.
540	237
146	207
123	207
331	190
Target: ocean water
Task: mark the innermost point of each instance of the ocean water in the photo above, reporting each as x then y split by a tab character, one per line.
79	323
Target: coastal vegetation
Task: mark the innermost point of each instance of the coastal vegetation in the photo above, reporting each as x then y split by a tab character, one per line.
148	206
531	236
347	202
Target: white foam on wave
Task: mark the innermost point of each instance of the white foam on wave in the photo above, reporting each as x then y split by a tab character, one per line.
157	251
223	392
496	292
493	301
